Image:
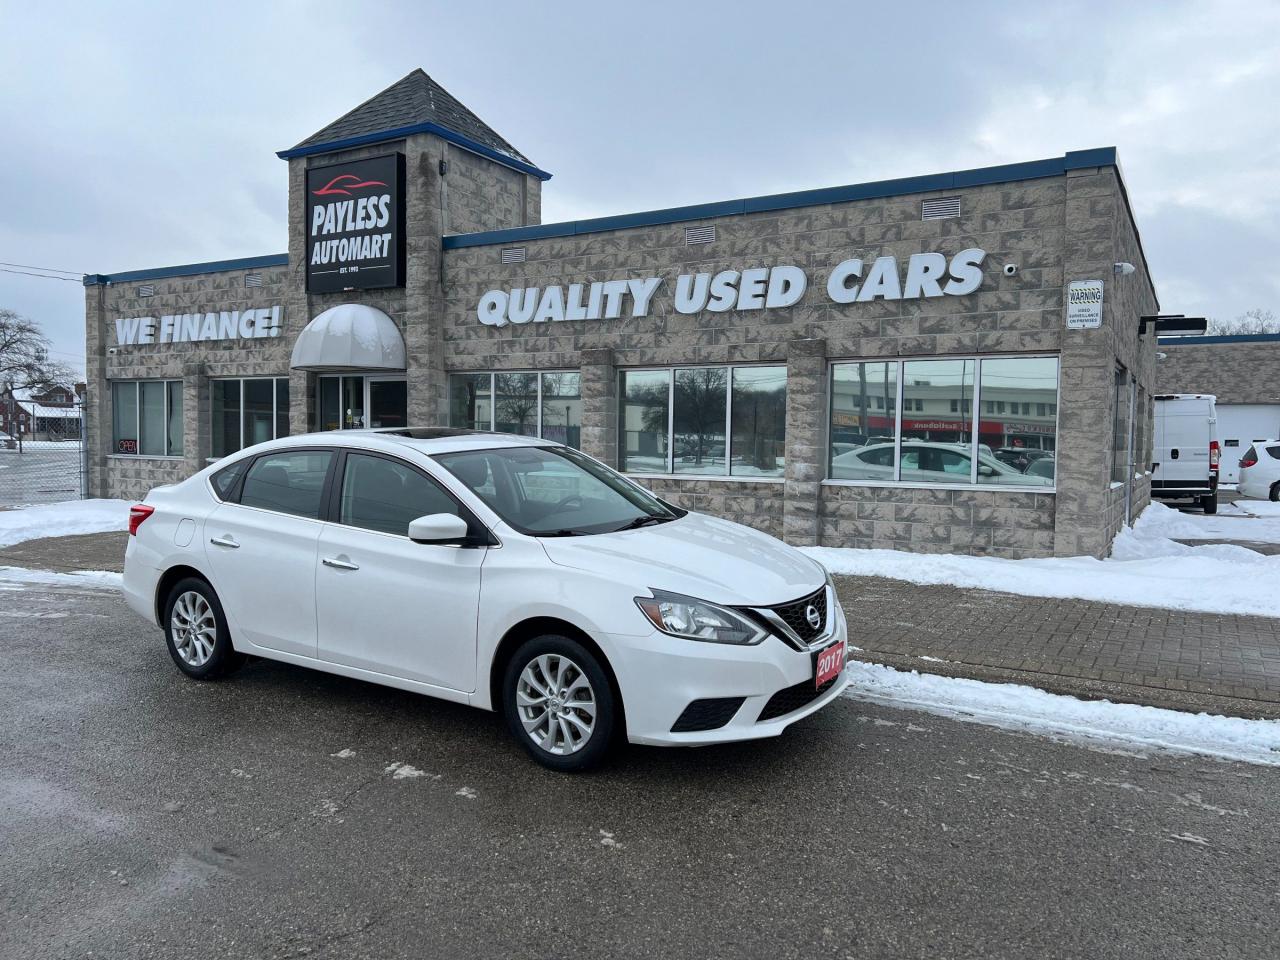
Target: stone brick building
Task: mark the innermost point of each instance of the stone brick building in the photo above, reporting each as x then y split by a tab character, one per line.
891	364
1243	372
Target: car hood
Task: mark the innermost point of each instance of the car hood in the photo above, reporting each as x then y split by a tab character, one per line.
699	556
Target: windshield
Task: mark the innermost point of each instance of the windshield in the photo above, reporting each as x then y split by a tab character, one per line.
555	491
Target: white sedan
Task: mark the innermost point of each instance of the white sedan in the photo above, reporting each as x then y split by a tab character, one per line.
1260	471
503	572
926	461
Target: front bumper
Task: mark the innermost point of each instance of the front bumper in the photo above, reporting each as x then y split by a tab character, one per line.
660	675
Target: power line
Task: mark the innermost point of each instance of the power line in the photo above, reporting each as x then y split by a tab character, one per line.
42	276
27	266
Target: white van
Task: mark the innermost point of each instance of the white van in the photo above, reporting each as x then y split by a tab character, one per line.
1186	452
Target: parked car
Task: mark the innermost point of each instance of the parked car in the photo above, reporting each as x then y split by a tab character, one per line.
508	573
925	461
1046	467
1260	471
1020	458
1186	452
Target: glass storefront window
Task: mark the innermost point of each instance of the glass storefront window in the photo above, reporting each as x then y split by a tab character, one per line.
698	420
515	403
932	426
759	421
1120	428
864	401
562	408
1024	442
643	421
249	411
547	405
146	418
705	421
937	439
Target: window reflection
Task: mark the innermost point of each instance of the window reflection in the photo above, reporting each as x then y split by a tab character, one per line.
1019	425
643	420
701	396
864	399
759	411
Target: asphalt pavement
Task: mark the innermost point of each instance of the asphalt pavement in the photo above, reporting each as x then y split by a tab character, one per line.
287	813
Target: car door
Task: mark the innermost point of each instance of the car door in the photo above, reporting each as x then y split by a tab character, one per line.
385	603
261	544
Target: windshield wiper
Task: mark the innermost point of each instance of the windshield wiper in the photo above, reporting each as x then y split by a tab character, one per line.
563	533
641	522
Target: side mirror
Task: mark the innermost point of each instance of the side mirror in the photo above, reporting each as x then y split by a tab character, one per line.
438	528
986	471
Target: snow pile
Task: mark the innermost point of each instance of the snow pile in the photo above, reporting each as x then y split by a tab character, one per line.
11	578
63	519
1016	707
1146	569
1244	520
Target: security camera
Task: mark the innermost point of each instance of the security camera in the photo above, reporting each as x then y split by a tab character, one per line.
112	351
1010	269
1124	269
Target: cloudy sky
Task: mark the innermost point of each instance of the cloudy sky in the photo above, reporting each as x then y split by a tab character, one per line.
142	135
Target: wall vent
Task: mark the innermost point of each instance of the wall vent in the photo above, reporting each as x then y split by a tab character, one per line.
147	290
513	255
253	279
943	208
705	234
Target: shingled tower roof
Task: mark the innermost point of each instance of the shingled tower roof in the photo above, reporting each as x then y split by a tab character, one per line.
415	99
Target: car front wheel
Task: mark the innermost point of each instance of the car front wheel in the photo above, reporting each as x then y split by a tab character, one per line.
196	630
558	703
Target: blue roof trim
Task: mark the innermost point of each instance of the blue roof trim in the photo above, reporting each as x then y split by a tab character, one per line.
188	269
1226	338
399	133
1007	173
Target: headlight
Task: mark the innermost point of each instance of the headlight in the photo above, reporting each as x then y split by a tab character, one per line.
696	619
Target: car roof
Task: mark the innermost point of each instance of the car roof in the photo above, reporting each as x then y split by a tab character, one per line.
425	440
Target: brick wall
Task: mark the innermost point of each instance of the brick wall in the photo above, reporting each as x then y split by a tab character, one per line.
1243	372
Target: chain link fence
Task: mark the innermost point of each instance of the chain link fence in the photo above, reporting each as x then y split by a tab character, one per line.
45	463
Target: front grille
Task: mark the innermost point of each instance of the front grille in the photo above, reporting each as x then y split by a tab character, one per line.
709	714
793	698
793	614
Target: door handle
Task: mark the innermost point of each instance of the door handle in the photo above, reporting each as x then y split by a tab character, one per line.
340	564
226	541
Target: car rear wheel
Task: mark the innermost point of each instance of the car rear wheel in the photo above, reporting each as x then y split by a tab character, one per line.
558	703
1209	503
1275	492
196	630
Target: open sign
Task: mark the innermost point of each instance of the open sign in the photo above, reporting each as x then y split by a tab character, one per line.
126	446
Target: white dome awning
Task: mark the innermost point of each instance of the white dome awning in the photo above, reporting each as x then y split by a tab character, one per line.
350	336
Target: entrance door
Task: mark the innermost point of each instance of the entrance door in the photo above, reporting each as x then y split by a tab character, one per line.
357	402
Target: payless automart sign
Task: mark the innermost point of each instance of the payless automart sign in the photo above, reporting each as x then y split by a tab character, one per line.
355	225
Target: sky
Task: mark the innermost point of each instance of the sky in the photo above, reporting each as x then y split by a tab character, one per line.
142	135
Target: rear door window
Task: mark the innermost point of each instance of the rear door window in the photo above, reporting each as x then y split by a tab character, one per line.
291	482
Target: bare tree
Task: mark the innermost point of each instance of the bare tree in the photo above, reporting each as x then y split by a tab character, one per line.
24	356
1252	321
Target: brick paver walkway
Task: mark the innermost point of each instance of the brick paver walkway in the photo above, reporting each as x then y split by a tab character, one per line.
1220	654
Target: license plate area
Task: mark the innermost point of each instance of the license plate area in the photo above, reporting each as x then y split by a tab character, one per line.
827	663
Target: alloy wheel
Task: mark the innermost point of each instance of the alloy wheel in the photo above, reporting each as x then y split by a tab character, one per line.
194	628
556	704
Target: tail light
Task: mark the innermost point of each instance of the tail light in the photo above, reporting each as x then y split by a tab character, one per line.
1215	454
1248	460
137	513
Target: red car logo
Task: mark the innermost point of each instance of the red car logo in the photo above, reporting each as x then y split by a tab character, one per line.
344	183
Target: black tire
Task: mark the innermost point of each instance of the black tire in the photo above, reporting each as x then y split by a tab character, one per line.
223	660
605	724
1209	503
1275	493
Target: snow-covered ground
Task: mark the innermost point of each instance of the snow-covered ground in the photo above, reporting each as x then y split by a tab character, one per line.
1090	722
62	519
16	578
1147	567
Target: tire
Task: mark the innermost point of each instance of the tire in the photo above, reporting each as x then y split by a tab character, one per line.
549	654
207	654
1275	492
1209	503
